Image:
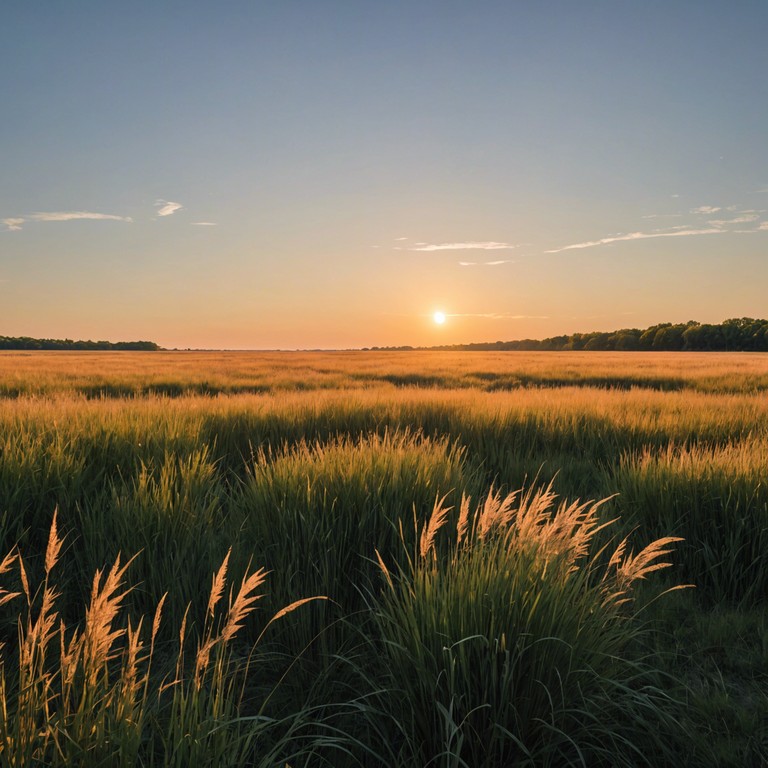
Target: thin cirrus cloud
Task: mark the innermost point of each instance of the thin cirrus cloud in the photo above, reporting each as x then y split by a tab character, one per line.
745	219
167	207
204	224
637	236
485	263
15	224
707	210
468	246
76	215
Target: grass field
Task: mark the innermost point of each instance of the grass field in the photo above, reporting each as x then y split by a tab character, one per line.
476	536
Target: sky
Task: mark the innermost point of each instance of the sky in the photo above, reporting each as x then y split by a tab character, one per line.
302	174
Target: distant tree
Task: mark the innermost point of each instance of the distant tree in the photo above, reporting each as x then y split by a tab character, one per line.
626	341
25	342
596	342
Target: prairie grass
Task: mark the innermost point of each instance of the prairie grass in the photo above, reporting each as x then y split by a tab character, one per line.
171	374
715	497
510	642
88	695
319	510
308	464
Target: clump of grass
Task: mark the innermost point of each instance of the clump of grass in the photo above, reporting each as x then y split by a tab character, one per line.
317	510
713	496
510	639
88	695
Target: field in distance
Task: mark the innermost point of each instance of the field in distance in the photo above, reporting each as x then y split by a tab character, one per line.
119	374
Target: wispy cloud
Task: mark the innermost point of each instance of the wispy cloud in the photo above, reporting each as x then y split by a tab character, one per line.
762	226
662	216
468	246
15	224
637	236
738	220
167	207
707	210
76	216
485	263
204	224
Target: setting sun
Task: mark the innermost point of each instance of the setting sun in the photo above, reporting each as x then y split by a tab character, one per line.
439	317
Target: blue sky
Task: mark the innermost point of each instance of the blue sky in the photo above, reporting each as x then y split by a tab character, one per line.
328	174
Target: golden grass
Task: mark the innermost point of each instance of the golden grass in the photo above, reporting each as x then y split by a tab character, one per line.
172	373
95	702
277	455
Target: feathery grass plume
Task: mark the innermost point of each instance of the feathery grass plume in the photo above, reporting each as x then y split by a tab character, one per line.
630	568
209	640
54	545
156	620
69	656
243	604
564	534
384	569
5	566
98	635
436	522
291	608
238	610
217	585
24	580
463	523
496	513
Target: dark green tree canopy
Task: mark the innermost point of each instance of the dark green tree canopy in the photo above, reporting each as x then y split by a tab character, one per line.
743	334
26	342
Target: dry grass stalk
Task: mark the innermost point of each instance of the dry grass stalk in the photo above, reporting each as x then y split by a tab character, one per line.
54	546
243	603
384	569
5	566
239	609
436	522
98	636
217	585
463	523
630	568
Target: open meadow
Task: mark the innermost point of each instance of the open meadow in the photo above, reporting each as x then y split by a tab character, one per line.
383	559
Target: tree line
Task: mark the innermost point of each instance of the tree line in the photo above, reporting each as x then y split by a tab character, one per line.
26	342
743	334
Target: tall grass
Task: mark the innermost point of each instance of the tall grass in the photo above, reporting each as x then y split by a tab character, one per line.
88	695
715	498
318	511
509	641
333	457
